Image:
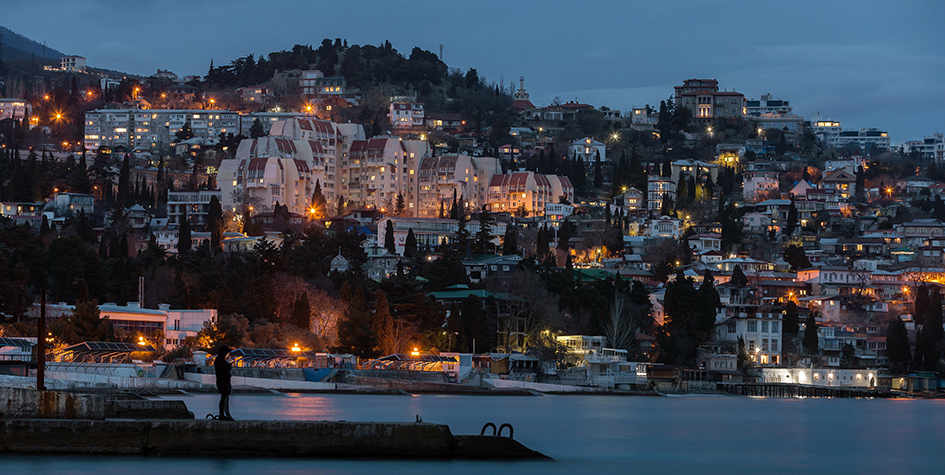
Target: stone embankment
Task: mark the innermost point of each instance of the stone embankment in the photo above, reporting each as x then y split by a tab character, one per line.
208	438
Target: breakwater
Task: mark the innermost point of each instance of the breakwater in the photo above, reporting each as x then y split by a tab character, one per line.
209	438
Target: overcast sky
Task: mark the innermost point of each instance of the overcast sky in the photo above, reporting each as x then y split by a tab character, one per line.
865	63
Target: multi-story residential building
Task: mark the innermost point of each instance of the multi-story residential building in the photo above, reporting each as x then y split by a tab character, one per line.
15	108
269	171
758	184
195	204
930	148
643	118
767	105
307	80
586	150
631	200
438	178
149	129
863	138
759	326
406	114
659	187
825	130
69	204
374	172
842	181
664	228
529	191
72	63
695	168
703	98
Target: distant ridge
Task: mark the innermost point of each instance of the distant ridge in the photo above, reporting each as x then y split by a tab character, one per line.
17	46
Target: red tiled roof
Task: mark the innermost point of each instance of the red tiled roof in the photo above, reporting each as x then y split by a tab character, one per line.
301	166
316	147
258	163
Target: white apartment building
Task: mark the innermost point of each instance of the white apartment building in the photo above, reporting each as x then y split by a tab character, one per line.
148	129
72	63
405	114
439	177
825	130
767	105
657	188
270	171
863	138
758	183
529	190
196	205
14	108
758	326
374	172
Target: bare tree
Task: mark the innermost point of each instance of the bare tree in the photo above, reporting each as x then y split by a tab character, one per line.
620	324
529	303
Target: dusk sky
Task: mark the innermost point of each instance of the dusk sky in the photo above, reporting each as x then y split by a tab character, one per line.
864	63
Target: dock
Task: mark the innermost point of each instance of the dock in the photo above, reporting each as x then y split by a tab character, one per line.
798	390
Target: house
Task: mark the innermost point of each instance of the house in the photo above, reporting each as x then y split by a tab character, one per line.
664	227
759	185
174	325
658	188
631	200
842	181
587	149
381	264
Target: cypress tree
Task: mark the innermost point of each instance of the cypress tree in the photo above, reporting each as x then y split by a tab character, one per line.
389	243
810	334
410	244
184	238
598	173
302	313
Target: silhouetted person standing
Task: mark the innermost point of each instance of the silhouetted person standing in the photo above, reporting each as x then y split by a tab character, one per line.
222	369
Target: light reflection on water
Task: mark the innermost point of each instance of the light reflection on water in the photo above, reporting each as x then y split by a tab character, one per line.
610	434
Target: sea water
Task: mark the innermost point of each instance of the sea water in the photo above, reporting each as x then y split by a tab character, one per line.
602	434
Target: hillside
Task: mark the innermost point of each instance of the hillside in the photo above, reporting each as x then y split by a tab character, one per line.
17	46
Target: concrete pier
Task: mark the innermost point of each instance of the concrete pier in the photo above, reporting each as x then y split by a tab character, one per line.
208	438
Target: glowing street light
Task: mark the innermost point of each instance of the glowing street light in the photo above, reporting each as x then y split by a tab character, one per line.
295	348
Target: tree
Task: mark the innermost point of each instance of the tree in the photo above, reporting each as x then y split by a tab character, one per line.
340	208
400	209
484	243
739	279
215	223
355	332
183	235
897	346
682	191
302	312
85	323
791	323
383	324
256	130
598	173
742	360
319	203
810	334
389	243
510	241
920	305
410	244
124	197
796	256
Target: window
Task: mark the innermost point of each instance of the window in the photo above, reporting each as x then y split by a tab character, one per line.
774	327
752	326
764	326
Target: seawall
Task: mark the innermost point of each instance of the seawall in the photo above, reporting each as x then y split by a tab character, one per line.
208	438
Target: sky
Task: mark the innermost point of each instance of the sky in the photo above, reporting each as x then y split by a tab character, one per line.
864	63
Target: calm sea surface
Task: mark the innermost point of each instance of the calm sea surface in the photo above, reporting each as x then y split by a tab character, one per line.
605	434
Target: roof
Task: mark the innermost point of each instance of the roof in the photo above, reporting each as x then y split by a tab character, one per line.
106	347
16	342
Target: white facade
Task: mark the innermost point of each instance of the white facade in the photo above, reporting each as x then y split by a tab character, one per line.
437	178
72	63
658	187
15	108
154	129
586	150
